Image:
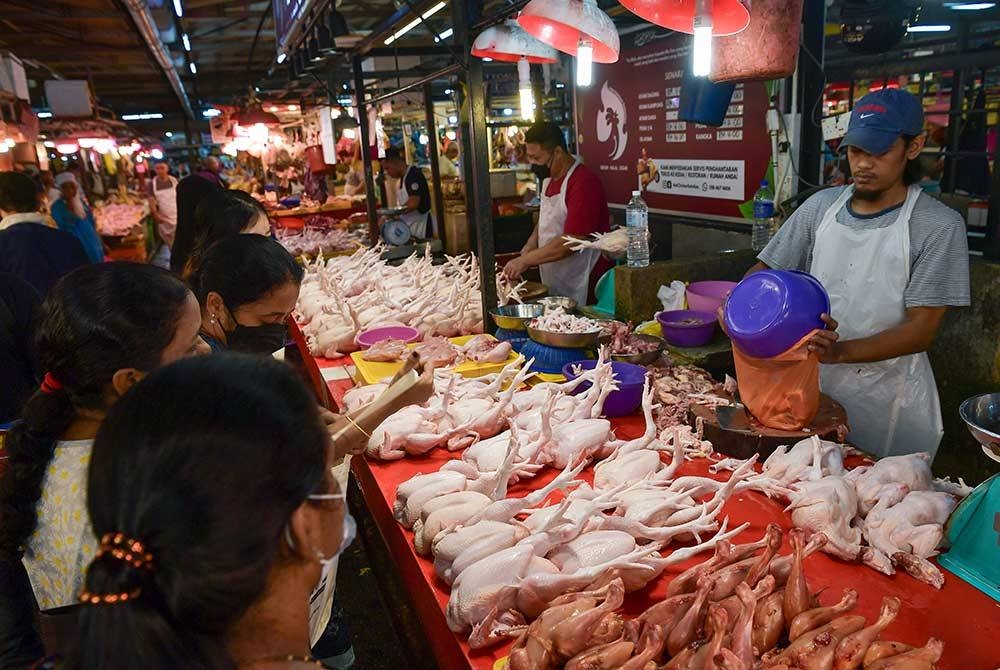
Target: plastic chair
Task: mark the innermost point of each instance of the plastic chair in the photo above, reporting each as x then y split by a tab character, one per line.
605	292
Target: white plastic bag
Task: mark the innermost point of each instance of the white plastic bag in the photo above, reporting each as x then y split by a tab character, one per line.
672	297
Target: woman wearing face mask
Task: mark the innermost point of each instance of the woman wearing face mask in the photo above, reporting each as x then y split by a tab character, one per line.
573	202
101	329
220	215
218	517
247	286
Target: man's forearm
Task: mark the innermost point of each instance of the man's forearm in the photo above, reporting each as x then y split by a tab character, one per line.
553	251
913	336
532	242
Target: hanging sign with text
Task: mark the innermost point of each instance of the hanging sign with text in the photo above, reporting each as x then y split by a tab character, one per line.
631	133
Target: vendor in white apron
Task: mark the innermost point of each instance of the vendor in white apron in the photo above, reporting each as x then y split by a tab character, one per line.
163	205
573	202
892	260
413	194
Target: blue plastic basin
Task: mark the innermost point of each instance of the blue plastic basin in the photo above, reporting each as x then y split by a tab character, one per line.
771	310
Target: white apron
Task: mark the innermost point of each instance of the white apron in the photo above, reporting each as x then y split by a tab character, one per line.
415	220
166	204
892	406
569	276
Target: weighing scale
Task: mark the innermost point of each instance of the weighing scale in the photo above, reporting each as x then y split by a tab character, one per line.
394	230
517	338
550	360
973	530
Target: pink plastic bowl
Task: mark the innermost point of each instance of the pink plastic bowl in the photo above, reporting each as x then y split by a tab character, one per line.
708	296
370	337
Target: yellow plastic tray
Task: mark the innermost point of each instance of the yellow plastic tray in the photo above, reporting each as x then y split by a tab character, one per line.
370	372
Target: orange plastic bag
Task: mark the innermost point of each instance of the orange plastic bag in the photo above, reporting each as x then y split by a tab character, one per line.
780	392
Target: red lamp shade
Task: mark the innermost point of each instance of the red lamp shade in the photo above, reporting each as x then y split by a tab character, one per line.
253	114
728	16
508	42
563	23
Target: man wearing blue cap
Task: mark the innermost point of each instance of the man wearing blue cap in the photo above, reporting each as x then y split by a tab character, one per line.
893	259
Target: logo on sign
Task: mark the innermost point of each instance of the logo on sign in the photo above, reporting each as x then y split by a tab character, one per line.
611	119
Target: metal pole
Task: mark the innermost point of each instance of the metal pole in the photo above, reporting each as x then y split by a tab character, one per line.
476	155
366	155
811	80
955	118
440	74
432	151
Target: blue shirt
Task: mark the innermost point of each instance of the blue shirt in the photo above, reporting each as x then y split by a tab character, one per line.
83	228
36	253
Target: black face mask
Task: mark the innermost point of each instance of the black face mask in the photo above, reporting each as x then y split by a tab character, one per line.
265	339
541	171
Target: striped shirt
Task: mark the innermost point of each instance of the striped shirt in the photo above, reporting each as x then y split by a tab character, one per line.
939	251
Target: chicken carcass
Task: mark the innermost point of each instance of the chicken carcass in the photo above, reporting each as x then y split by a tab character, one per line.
811	458
386	351
911	470
908	532
829	506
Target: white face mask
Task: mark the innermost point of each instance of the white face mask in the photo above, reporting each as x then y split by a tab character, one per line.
349	533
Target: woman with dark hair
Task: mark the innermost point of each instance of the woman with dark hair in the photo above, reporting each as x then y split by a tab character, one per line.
220	215
247	286
100	330
218	516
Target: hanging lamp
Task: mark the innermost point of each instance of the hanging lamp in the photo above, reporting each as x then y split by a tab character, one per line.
509	42
727	17
253	113
569	25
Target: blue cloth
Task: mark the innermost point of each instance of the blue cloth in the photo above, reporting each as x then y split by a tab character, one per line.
215	345
39	255
83	228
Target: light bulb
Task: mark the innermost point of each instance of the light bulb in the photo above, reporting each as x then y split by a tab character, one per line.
701	61
524	89
584	63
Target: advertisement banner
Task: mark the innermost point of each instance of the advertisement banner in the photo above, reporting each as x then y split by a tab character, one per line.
631	132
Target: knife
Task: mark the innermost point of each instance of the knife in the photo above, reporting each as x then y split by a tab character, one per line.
733	417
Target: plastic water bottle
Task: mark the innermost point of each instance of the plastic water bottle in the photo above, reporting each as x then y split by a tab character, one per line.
763	215
637	228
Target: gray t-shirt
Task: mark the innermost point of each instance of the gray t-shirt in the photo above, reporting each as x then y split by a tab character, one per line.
939	250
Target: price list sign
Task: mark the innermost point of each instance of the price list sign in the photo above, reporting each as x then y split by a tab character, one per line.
632	133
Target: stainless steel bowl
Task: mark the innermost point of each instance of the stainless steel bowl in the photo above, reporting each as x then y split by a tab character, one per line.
553	301
564	340
982	415
638	359
515	317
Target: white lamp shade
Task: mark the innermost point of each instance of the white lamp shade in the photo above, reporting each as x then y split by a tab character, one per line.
509	42
563	23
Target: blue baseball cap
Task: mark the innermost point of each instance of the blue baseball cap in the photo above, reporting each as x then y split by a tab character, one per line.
880	117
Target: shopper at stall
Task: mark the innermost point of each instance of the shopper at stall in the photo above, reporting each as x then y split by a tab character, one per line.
162	197
414	195
573	203
893	260
224	500
102	328
73	215
191	190
29	248
18	311
247	287
220	215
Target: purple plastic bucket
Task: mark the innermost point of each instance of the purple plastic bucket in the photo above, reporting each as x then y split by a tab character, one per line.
681	334
771	310
630	378
370	337
708	296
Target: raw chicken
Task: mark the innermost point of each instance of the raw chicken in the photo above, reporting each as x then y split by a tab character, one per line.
815	650
908	532
829	506
387	350
911	470
921	658
811	459
437	352
614	243
852	649
820	616
485	349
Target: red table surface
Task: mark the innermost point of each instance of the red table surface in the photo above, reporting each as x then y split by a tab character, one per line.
966	620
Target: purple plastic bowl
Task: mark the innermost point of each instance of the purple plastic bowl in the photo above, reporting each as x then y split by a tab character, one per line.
687	335
370	337
708	296
630	380
771	310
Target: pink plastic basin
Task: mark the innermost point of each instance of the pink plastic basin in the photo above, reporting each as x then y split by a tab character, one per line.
708	296
370	337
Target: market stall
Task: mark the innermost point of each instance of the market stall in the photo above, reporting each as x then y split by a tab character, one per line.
738	500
